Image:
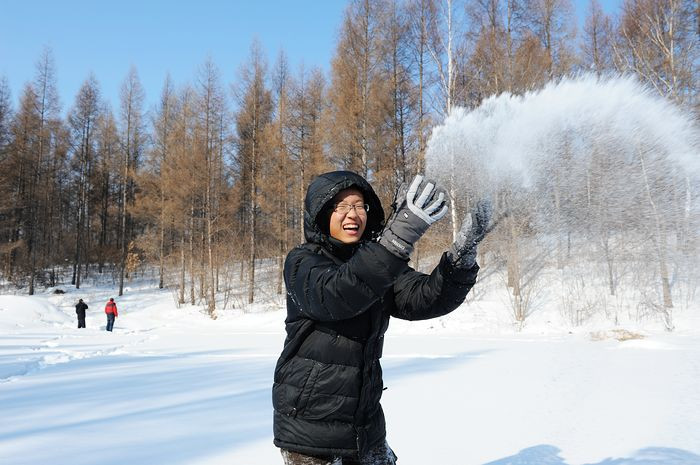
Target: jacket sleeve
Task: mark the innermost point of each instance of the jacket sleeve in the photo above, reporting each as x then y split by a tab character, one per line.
116	313
323	290
419	296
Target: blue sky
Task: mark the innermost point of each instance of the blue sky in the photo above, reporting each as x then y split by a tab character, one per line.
160	37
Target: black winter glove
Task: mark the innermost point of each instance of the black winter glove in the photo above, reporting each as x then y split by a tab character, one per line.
462	253
415	208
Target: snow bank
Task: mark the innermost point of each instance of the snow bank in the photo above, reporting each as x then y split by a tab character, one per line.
24	311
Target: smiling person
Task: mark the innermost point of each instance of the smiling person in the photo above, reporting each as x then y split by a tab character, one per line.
343	285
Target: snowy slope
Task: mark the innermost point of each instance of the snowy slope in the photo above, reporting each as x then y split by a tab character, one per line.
171	386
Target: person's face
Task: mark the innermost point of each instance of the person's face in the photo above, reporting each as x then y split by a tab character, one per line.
347	227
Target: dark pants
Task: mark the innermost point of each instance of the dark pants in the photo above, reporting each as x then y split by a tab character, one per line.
110	321
81	319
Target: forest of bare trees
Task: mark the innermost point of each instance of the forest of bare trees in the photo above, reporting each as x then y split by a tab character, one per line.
208	185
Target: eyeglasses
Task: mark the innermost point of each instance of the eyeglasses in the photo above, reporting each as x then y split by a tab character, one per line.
344	208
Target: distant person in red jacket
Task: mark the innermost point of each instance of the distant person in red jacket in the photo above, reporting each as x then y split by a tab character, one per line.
111	311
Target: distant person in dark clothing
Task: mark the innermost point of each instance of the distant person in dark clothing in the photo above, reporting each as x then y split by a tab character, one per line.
80	308
111	311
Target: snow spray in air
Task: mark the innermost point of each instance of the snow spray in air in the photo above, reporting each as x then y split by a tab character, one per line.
589	168
570	128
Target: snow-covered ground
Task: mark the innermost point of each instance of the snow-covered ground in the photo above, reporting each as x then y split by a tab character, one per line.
171	386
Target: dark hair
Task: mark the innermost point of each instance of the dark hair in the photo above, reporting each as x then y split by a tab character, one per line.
111	299
324	218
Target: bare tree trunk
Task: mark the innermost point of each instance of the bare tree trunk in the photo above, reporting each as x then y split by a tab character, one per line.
420	162
282	216
509	44
365	91
610	265
202	263
78	235
252	208
421	112
104	206
181	299
125	182
212	297
514	273
450	63
558	221
450	91
161	267
79	241
660	242
282	174
302	187
192	276
453	197
211	305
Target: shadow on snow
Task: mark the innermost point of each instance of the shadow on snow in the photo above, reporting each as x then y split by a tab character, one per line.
549	455
138	410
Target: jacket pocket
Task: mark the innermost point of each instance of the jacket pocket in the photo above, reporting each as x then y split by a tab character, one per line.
308	388
331	393
290	383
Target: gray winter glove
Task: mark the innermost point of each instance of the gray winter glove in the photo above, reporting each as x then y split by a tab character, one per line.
415	207
462	253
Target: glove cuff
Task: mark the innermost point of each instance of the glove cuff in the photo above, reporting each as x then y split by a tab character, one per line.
396	245
462	260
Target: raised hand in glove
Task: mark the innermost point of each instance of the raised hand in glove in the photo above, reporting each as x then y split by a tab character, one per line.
415	208
462	253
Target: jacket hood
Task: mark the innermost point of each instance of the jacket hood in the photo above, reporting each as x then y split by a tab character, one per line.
317	204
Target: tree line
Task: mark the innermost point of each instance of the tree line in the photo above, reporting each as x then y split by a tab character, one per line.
211	180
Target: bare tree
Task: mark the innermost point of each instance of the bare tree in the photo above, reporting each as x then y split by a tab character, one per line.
47	112
419	14
443	47
401	142
356	103
307	131
552	23
281	141
446	52
7	246
5	114
597	40
132	145
163	138
488	62
253	116
108	148
525	258
83	121
211	113
660	241
658	41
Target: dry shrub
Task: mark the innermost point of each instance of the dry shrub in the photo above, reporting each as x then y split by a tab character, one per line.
619	334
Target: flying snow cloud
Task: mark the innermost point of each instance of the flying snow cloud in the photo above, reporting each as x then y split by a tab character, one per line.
510	136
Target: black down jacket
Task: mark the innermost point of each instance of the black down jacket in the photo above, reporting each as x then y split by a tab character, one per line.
328	380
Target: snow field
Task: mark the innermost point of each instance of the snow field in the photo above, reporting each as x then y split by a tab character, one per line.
171	386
